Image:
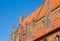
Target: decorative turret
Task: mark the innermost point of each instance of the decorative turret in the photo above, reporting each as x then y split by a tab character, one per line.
13	29
13	34
21	19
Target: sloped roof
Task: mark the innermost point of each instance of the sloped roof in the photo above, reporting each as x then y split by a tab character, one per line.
43	8
54	4
45	31
39	13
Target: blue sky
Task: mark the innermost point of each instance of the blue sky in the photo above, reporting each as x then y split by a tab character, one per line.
10	11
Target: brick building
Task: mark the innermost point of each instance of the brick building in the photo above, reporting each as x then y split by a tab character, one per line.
41	25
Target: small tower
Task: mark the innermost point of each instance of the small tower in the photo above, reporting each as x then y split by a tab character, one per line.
13	29
13	34
21	19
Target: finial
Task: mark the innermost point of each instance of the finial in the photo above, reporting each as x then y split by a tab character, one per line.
21	18
49	6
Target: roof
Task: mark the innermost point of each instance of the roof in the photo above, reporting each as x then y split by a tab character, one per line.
42	9
45	31
39	13
54	4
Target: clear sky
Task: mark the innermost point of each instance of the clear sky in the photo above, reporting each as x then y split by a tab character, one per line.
10	11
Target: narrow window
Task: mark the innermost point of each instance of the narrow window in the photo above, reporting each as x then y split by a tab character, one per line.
21	33
58	38
13	37
29	31
45	40
17	39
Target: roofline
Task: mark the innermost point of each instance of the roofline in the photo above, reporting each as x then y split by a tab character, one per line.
56	10
40	20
